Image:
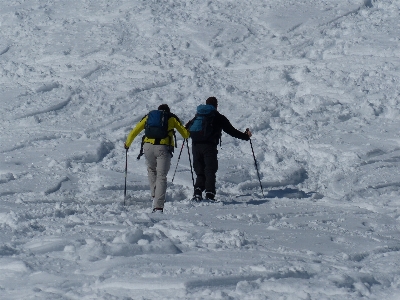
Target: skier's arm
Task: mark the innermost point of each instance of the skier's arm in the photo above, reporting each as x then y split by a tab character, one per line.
181	129
135	131
232	131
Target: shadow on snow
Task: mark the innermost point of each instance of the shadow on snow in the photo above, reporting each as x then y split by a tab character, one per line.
258	199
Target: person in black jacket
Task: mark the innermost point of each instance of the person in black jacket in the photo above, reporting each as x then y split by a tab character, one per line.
205	160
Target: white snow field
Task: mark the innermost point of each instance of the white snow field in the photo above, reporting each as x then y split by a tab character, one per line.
318	83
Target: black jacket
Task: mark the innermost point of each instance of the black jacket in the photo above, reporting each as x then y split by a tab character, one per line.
221	123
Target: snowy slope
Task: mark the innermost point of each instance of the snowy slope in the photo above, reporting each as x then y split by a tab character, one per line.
316	81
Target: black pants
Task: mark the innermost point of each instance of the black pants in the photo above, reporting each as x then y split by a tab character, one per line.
205	164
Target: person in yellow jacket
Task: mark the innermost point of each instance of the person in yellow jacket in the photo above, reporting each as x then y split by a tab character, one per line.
158	153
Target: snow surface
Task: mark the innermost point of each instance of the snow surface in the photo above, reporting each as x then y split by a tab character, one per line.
316	81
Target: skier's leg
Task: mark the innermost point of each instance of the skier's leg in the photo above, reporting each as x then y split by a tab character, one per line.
163	165
151	162
210	170
198	166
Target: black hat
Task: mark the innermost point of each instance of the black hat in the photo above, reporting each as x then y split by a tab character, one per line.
164	107
212	101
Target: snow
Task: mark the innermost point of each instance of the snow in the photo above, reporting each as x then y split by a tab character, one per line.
317	82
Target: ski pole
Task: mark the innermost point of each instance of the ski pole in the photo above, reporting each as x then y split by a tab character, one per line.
179	157
126	173
255	164
190	162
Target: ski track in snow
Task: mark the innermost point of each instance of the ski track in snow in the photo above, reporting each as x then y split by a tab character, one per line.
317	82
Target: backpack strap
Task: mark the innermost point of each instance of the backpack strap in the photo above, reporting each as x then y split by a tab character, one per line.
141	148
174	133
170	147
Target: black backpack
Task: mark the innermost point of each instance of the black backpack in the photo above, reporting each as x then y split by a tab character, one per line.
201	128
157	124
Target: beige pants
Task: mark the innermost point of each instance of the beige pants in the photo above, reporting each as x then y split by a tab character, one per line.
158	160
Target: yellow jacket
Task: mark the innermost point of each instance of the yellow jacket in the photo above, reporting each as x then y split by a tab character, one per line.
173	122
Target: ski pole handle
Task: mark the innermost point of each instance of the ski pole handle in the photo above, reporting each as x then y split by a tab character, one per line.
248	132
